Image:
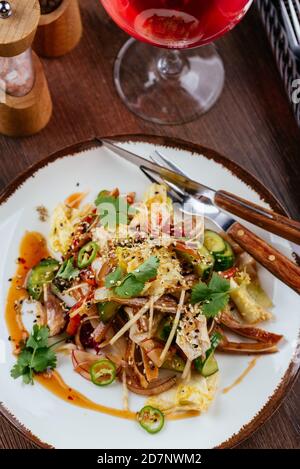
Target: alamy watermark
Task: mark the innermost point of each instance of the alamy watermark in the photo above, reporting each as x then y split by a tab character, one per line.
296	92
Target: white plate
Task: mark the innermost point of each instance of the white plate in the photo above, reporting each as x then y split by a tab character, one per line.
233	416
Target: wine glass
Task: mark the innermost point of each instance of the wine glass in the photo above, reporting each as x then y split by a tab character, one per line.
176	81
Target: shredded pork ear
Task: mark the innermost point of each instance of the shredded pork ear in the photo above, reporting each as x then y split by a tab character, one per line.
133	371
151	370
55	314
41	314
156	387
247	331
243	347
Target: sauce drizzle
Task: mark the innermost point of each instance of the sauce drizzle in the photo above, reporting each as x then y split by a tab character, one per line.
251	365
32	250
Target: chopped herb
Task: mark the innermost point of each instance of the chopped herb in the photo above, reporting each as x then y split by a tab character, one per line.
212	297
67	270
133	283
35	357
113	211
113	278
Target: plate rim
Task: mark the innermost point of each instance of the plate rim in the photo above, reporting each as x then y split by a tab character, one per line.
287	381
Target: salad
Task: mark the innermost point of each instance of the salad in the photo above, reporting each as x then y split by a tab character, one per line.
138	296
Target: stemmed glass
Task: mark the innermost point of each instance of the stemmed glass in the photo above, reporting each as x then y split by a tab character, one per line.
176	81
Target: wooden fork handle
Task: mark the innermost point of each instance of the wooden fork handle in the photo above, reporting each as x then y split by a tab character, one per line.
273	260
267	219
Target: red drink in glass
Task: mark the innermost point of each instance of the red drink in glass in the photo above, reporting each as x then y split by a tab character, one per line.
176	23
183	81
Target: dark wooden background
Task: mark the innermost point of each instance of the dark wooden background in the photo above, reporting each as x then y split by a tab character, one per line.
252	124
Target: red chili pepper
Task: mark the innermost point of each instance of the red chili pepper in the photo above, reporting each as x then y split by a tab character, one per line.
229	273
182	247
73	325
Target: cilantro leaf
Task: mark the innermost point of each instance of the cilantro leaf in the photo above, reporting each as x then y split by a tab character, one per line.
130	287
22	365
215	303
101	196
67	270
38	338
148	270
200	292
218	283
44	358
214	297
114	277
35	357
112	210
133	283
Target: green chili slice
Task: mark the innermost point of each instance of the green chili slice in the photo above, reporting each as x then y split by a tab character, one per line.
87	255
151	419
103	372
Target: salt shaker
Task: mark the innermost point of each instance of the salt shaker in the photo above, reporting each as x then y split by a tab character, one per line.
25	103
59	29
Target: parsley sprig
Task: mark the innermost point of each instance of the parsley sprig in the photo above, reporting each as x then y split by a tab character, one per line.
133	283
35	357
212	297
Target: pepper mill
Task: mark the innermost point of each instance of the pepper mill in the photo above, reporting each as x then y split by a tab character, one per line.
25	102
59	29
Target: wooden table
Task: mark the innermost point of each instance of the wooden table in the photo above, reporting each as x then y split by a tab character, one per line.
252	123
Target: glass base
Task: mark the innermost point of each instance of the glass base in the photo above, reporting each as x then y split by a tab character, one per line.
168	87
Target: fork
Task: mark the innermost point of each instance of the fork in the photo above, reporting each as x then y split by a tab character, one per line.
268	256
291	17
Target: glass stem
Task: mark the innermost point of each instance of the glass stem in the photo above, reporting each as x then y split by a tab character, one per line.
170	64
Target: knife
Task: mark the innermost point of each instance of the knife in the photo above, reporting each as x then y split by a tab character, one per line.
273	260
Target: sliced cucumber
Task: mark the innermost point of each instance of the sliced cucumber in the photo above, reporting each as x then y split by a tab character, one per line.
42	273
107	310
224	260
213	242
174	363
205	266
210	366
207	367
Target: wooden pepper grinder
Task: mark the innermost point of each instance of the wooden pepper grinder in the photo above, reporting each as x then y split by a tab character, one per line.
60	28
25	103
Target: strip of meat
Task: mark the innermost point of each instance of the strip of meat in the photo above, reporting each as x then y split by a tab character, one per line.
55	314
156	387
247	331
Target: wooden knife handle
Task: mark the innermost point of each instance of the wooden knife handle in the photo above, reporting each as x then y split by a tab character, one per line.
267	219
266	255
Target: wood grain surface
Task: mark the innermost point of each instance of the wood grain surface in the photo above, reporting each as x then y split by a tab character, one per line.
252	124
